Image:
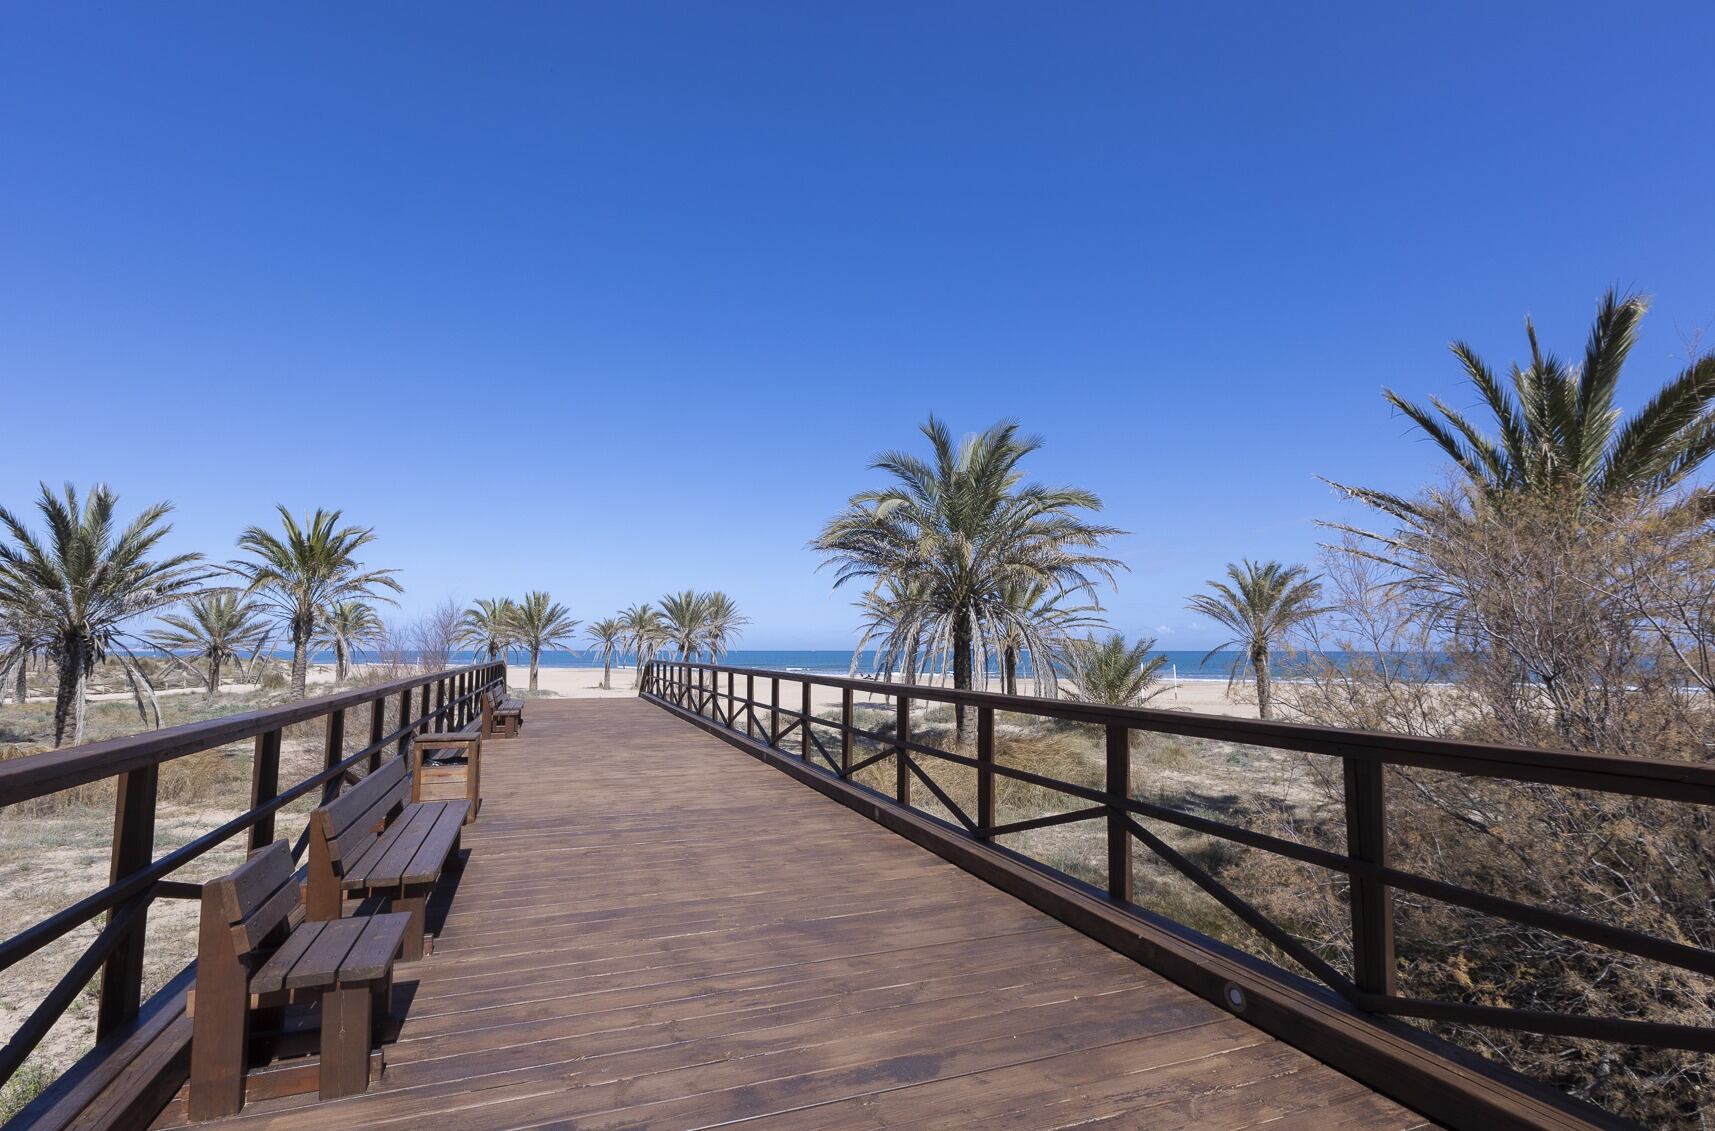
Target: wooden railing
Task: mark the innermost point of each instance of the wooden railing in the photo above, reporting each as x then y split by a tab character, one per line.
440	701
1371	986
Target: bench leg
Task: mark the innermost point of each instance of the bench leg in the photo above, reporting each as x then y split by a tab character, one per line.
346	1014
381	1002
413	901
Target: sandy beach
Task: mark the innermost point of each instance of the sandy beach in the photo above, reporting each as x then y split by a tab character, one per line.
1203	696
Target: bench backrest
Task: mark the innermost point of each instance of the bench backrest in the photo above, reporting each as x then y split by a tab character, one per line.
254	899
350	822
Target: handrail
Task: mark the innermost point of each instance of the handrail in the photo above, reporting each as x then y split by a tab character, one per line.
695	688
138	878
1662	778
22	779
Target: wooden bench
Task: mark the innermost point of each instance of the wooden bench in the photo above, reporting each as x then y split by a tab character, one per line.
448	766
506	716
371	843
250	958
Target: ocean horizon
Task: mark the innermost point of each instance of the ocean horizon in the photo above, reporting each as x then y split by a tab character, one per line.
1180	664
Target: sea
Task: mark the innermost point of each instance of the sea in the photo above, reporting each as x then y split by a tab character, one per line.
839	661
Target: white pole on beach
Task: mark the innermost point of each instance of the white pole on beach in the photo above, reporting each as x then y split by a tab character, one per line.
1175	683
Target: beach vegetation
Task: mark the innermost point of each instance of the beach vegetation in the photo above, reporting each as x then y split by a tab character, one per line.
1258	604
216	627
300	573
948	538
607	636
645	631
1558	433
541	623
489	626
344	628
1107	669
74	592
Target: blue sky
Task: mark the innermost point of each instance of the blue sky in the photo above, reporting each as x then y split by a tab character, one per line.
613	299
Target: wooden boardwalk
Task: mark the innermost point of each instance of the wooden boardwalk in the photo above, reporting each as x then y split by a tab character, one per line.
655	930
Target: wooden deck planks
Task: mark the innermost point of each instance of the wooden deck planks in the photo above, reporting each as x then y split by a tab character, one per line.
655	930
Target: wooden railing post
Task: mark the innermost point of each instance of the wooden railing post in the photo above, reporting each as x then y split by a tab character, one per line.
731	698
377	728
264	785
774	714
749	706
440	702
985	771
404	722
804	723
133	850
1373	966
846	732
422	726
333	752
1119	789
902	733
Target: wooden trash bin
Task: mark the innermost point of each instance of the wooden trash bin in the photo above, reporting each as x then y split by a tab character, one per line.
448	767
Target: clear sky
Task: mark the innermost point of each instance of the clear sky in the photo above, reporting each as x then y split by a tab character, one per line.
613	299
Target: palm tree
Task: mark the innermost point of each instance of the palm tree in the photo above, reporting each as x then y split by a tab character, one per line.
1560	434
607	635
1037	620
893	623
644	630
1263	602
958	531
345	627
83	582
219	626
20	643
308	569
488	626
721	623
1111	671
685	615
541	622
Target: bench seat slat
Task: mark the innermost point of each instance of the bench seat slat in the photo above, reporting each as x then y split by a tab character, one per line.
437	844
272	976
372	954
320	963
385	865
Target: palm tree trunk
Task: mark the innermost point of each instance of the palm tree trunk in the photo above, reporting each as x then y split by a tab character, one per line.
961	670
213	677
340	666
607	672
79	707
300	667
1259	661
1009	682
70	687
21	687
535	657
